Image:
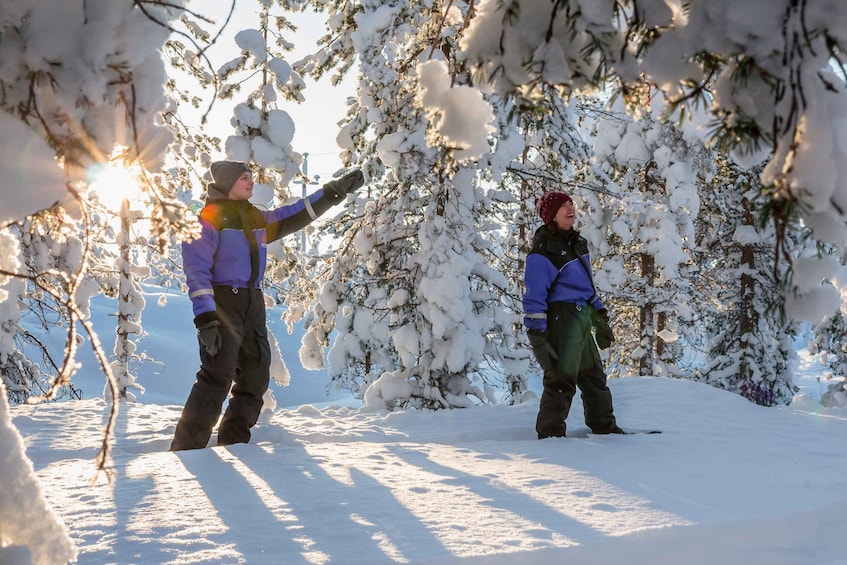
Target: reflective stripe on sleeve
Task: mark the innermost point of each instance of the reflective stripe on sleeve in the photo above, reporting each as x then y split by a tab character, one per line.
538	316
201	292
309	209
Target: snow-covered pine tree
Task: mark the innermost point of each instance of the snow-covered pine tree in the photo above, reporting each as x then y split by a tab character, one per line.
28	365
412	301
365	266
763	72
829	346
828	329
78	79
263	131
130	301
85	91
750	341
642	227
22	378
511	207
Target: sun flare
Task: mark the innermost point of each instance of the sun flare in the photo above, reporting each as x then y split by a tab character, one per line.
116	181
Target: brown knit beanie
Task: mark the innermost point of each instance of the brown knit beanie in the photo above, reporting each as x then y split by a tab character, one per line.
224	174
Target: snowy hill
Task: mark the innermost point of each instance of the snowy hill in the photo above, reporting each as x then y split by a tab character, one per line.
727	482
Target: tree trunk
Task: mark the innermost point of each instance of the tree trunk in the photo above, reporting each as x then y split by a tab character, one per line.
517	383
124	299
748	318
648	332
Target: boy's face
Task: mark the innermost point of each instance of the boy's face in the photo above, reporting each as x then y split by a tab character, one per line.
243	187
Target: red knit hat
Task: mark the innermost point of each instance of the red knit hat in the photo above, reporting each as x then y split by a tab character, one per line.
549	204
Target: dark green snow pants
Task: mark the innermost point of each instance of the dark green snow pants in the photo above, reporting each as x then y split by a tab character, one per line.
579	365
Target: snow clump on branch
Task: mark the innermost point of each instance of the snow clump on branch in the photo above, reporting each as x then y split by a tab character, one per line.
460	117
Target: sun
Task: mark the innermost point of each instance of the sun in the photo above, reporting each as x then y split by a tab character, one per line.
116	181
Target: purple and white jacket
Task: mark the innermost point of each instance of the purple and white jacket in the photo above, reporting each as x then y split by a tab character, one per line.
232	248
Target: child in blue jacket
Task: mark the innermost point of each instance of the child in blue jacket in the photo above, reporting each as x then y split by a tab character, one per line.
224	269
560	307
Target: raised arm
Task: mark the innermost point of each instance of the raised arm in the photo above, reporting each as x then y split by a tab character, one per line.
288	219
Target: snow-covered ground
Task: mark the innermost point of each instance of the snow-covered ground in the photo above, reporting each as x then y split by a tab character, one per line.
327	482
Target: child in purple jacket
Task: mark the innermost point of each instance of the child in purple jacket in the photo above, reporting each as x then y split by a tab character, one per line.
224	269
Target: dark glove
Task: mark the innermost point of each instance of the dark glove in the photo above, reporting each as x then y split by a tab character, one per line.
339	188
543	350
210	337
603	333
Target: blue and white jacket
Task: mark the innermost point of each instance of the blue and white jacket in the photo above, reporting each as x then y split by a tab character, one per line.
557	270
232	247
